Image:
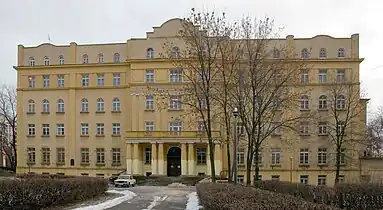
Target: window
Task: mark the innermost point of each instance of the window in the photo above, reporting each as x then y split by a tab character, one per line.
276	156
84	155
201	126
340	125
116	105
276	53
61	60
60	81
60	131
341	53
322	128
84	129
60	106
116	79
304	76
100	129
116	156
100	155
31	81
341	178
304	102
46	61
304	128
31	130
100	105
201	155
84	105
116	130
201	103
341	75
260	157
45	106
45	129
175	52
240	129
304	179
340	102
85	59
150	53
322	75
304	156
46	156
148	154
100	58
175	75
46	81
277	128
116	58
32	61
85	80
322	102
322	180
31	106
240	179
241	156
175	102
342	157
149	76
322	155
275	178
31	155
175	126
304	53
322	53
149	102
100	79
60	152
149	126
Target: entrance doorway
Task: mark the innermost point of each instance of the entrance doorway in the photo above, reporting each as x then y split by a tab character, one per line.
174	161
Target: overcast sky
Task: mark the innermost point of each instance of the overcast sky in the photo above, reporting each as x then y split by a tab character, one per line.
29	22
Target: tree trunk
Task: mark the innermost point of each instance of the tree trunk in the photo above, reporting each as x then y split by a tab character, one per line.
212	165
338	154
229	171
249	162
256	161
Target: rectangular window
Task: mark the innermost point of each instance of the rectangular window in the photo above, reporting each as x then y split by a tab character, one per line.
322	128
85	80
116	79
84	129
276	156
304	76
322	156
341	75
304	179
260	157
116	156
149	102
149	76
100	154
46	156
31	81
175	102
322	179
60	131
304	128
100	79
240	129
60	152
304	156
45	129
201	126
175	126
201	155
240	179
241	156
60	81
116	130
100	129
148	154
31	155
84	155
149	126
175	75
275	178
46	81
342	156
31	130
322	76
277	128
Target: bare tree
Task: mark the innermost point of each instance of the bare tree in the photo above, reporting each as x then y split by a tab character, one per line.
266	93
375	134
9	116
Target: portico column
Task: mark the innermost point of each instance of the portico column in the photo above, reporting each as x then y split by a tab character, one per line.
191	163
135	158
129	158
161	159
154	158
217	159
208	165
184	159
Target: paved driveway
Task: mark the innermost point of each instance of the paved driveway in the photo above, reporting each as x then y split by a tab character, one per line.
156	198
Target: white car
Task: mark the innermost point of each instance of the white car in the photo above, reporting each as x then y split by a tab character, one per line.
125	181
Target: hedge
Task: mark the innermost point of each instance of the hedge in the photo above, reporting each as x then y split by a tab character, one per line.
347	196
40	191
215	196
154	180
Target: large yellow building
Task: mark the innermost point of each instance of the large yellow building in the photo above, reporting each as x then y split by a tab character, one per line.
84	110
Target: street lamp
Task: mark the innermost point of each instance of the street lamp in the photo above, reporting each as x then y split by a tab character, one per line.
235	113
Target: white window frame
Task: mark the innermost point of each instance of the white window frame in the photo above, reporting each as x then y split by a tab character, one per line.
304	102
100	80
149	102
100	105
31	106
341	53
100	58
150	53
322	128
175	126
61	60
149	126
304	128
340	102
175	75
304	76
340	75
322	102
149	76
116	129
60	129
322	156
322	53
84	105
100	155
322	179
60	80
276	156
100	129
116	105
84	129
31	129
85	80
322	76
45	129
175	102
45	106
241	156
116	79
85	59
304	156
116	58
46	81
304	179
46	61
32	61
32	81
305	53
60	106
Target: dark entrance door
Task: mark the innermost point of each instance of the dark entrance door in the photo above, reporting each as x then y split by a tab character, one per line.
174	161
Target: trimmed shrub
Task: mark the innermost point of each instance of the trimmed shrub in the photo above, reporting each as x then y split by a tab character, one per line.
215	196
39	191
165	181
43	176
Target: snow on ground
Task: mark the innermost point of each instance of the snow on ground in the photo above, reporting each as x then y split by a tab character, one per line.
193	202
127	195
157	200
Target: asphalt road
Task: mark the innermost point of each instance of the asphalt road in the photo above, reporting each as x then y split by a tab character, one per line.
156	198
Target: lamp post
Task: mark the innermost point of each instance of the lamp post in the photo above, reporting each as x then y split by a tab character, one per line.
235	177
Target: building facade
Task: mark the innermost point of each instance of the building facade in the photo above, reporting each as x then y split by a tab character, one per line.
85	110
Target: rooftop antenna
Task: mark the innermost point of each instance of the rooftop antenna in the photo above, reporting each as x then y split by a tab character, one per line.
49	38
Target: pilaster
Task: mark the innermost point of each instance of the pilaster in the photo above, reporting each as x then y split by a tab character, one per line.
154	158
161	159
191	161
184	166
129	165
135	158
217	159
208	165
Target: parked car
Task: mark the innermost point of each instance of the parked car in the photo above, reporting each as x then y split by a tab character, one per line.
115	176
125	181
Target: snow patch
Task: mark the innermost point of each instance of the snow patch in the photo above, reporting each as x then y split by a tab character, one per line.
127	195
157	200
193	202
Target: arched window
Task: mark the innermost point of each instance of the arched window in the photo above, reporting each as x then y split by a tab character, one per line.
341	53
100	58
61	60
31	106
276	53
340	102
322	53
32	61
322	102
100	105
150	53
304	53
84	105
45	105
85	59
116	105
46	61
175	52
60	105
304	100
116	58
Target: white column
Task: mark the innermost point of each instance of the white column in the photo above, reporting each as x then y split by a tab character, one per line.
161	159
154	158
218	159
135	159
191	163
129	166
208	165
184	160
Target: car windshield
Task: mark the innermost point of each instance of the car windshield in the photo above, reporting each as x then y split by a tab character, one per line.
124	177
